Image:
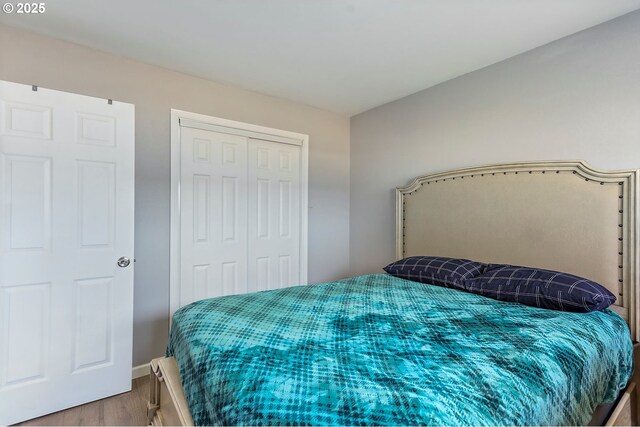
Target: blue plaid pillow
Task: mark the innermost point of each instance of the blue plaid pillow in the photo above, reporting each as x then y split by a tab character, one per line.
540	288
441	271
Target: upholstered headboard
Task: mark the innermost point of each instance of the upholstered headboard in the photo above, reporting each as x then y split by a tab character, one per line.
562	215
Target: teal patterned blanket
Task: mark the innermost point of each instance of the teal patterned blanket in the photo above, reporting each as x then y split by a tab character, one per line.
378	350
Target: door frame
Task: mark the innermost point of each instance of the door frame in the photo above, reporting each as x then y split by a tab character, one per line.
238	128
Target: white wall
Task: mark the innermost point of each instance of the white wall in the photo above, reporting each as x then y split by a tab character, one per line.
33	59
576	98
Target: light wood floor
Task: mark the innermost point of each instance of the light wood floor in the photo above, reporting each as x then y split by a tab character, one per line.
126	409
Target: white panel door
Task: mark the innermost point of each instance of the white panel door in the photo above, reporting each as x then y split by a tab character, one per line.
274	215
213	206
66	216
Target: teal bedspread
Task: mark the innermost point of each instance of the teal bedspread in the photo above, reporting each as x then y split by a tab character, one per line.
378	350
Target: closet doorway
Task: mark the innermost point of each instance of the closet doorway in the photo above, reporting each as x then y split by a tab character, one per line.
238	208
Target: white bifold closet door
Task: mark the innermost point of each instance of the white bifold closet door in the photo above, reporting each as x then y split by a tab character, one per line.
213	214
239	213
274	219
66	217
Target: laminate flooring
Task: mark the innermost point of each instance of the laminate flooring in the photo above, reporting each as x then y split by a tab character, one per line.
126	409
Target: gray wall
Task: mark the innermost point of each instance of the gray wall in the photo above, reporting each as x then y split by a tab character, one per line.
576	98
32	59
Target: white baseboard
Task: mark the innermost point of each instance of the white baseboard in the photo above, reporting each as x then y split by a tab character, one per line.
140	371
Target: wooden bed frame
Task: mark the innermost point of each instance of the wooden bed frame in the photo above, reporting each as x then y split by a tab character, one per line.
564	216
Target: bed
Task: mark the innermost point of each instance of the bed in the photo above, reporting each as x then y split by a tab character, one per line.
381	350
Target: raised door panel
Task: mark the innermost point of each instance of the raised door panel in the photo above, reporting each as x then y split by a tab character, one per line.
27	202
93	340
95	129
25	329
26	120
201	207
263	207
229	206
200	282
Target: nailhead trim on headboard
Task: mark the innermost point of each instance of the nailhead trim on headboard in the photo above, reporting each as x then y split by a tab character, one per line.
627	181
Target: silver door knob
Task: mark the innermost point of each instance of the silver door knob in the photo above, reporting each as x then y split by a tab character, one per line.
123	261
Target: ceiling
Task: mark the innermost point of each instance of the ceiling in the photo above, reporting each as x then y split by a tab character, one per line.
345	56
